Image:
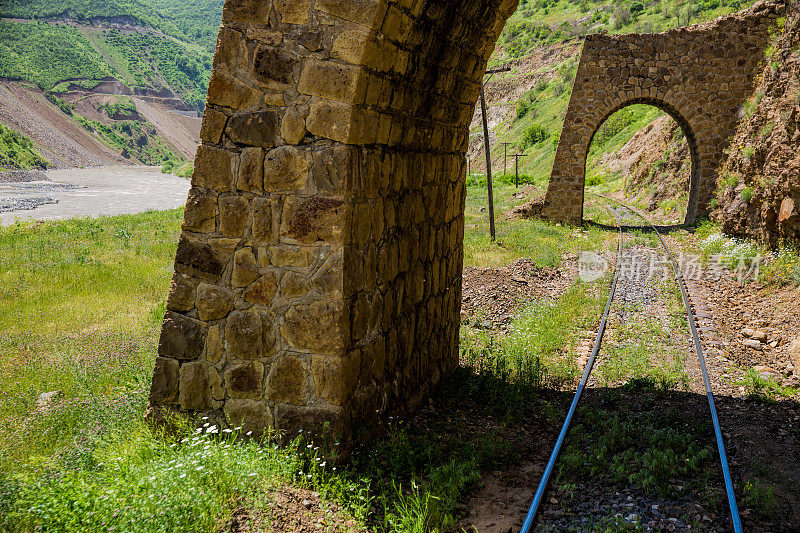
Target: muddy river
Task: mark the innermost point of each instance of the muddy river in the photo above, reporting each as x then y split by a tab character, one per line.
91	192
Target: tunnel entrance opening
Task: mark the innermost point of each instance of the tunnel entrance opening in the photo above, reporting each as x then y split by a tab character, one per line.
642	156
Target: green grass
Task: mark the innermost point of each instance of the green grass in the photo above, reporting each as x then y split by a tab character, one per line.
80	309
647	443
546	244
18	152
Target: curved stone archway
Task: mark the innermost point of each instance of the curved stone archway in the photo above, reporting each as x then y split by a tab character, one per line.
701	75
318	273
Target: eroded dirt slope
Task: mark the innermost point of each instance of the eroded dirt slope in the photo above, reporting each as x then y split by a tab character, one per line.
61	140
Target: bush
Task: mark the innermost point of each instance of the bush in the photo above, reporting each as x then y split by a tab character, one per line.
535	134
747	194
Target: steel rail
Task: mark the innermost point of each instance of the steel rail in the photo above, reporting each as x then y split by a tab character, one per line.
736	521
537	498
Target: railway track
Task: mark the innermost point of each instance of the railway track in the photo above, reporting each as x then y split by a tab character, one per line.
532	514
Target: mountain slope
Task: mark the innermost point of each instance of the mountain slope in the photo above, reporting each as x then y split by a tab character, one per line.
759	185
91	56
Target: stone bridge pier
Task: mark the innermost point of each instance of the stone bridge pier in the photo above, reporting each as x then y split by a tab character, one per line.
700	75
318	274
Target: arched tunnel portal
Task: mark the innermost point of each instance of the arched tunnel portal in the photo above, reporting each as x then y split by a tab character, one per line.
701	75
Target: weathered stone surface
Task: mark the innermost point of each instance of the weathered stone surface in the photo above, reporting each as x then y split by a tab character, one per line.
251	415
181	292
335	377
254	129
246	381
317	218
251	171
243	335
213	345
199	257
213	302
326	79
261	209
294	285
293	11
285	169
273	66
195	387
201	210
293	127
233	214
286	382
181	337
255	11
245	268
262	290
213	169
213	125
291	256
164	388
317	327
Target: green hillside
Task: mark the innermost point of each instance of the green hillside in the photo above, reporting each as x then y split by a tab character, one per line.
195	21
173	50
17	152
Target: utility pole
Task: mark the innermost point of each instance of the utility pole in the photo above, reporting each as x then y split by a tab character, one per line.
505	156
486	147
516	168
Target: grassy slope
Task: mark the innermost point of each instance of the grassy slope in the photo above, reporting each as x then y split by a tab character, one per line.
18	152
176	52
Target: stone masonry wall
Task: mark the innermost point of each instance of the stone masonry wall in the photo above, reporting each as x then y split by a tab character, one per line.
701	75
318	274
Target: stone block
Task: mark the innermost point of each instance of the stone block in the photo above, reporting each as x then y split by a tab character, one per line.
251	171
293	126
245	381
181	337
213	168
254	129
199	258
213	302
314	219
293	11
243	335
286	382
261	291
274	66
245	268
213	125
164	388
261	227
181	292
285	169
335	377
330	80
201	210
195	387
253	11
254	417
318	327
233	215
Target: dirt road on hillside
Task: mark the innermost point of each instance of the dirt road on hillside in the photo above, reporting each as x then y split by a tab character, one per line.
92	192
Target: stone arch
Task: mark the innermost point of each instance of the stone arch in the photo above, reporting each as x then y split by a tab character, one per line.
701	75
318	273
691	141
